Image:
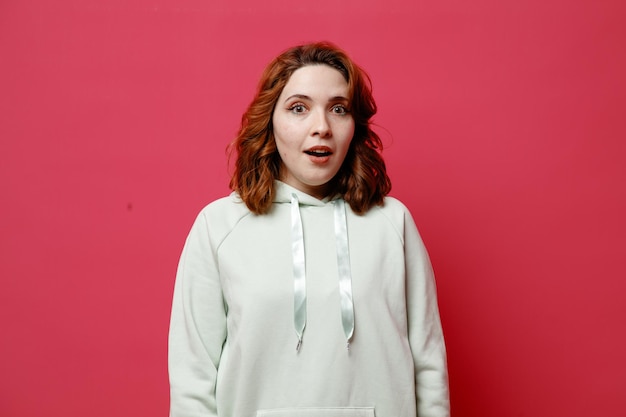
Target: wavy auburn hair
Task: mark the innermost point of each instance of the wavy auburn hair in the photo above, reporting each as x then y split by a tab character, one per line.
362	179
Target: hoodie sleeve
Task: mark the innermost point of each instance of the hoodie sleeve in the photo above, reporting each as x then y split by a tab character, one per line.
197	327
425	333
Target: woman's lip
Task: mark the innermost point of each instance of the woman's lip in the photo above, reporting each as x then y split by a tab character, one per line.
319	154
319	151
319	159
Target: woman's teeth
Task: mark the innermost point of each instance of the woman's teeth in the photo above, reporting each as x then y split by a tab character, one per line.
317	153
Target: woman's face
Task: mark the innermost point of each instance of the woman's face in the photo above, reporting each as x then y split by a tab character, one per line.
313	128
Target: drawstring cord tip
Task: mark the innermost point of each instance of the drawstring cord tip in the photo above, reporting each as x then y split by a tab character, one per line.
298	345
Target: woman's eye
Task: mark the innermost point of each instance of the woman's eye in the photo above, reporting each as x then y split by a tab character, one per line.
297	108
339	109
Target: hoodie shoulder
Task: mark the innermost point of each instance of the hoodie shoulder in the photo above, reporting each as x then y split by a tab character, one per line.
393	203
394	209
221	216
396	214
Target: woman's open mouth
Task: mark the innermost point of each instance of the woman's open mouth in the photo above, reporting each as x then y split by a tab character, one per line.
319	151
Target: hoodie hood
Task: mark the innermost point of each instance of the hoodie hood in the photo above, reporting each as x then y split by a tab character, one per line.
283	193
287	194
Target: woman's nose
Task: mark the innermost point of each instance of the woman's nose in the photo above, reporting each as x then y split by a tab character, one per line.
321	127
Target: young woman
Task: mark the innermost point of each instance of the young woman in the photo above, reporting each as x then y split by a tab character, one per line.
307	291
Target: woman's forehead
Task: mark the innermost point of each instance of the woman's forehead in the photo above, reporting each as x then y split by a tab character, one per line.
315	81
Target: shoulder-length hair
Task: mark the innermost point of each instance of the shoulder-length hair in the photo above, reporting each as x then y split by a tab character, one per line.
362	180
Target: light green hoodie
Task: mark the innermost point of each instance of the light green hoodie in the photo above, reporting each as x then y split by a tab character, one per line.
371	346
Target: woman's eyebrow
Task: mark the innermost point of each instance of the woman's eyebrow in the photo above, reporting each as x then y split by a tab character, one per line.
300	96
305	97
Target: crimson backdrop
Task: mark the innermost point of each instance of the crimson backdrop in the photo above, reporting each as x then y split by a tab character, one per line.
505	134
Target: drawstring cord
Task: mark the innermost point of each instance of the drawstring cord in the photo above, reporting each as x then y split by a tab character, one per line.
299	270
343	265
345	273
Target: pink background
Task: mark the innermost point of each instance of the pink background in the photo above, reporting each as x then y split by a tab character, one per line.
505	130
